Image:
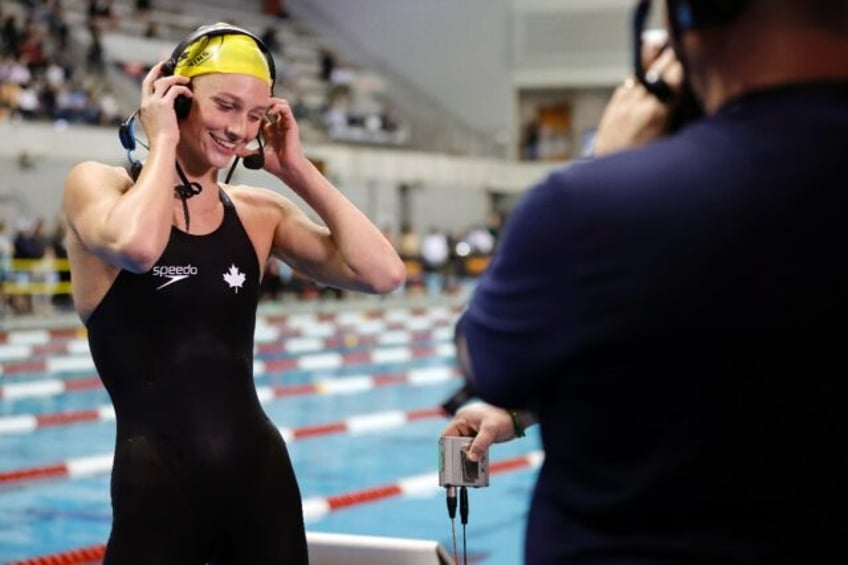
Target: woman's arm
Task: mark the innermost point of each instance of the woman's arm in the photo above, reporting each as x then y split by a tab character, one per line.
349	251
128	224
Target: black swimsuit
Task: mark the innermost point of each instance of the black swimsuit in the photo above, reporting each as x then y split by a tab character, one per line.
200	473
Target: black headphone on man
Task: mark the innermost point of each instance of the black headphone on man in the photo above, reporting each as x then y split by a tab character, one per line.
691	14
683	15
182	104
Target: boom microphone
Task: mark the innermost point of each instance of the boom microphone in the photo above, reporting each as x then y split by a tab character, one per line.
255	161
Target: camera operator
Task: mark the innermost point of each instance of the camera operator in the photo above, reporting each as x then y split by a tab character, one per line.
666	313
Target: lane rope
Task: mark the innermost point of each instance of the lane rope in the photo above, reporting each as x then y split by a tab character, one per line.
101	464
315	508
74	355
304	320
307	362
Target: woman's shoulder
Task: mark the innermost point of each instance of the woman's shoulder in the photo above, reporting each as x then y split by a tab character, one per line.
98	168
255	197
96	173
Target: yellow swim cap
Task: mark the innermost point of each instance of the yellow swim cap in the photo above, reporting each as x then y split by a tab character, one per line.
230	53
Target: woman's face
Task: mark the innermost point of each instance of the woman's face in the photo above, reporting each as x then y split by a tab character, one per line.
226	113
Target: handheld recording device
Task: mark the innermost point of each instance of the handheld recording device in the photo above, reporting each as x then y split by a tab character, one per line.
455	469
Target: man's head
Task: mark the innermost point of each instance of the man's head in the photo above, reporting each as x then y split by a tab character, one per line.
686	15
730	47
689	14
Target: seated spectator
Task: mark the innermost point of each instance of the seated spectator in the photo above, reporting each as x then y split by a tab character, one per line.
143	7
409	245
270	39
434	259
151	30
109	114
480	240
28	105
101	15
11	36
328	64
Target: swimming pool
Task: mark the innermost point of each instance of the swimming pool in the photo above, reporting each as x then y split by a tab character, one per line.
353	390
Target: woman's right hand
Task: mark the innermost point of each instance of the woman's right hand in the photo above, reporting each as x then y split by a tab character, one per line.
156	111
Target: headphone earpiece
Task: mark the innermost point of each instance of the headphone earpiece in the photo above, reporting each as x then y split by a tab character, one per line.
182	106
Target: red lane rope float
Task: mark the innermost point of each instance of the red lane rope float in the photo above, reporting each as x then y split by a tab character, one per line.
66	418
50	334
83	556
363	496
316	507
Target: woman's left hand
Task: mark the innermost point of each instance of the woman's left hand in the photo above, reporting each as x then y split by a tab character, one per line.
283	150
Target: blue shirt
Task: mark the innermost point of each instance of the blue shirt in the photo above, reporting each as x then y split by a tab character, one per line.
675	317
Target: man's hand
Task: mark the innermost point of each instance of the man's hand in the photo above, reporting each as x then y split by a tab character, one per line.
486	423
634	116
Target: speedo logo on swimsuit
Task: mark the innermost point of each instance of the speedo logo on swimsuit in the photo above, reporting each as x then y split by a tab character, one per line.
174	273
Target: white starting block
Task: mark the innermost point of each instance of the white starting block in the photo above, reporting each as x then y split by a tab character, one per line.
344	549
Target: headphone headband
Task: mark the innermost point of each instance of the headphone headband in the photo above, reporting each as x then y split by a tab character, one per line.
215	30
688	14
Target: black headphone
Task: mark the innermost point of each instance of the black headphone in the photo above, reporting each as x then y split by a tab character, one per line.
182	104
684	15
126	134
690	14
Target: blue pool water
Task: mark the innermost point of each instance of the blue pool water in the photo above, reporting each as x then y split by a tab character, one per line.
45	517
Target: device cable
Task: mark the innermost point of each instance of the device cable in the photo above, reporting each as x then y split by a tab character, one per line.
463	516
